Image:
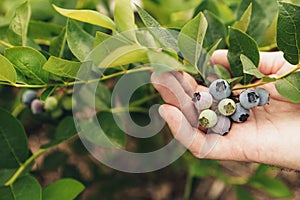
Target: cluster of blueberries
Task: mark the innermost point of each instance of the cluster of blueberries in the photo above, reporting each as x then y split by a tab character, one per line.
51	104
218	110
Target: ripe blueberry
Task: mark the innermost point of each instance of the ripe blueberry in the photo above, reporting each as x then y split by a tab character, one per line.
50	103
37	106
28	96
241	114
208	118
202	100
264	96
249	98
223	125
219	89
226	107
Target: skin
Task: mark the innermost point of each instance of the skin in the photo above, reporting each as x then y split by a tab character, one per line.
271	134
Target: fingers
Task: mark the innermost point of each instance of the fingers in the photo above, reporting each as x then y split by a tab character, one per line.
220	57
173	93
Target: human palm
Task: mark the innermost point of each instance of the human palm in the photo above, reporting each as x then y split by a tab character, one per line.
270	135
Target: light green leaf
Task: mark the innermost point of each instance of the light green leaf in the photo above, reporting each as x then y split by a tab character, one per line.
245	19
66	189
125	55
289	87
288	29
7	70
269	41
272	186
18	27
61	67
29	63
25	188
80	42
221	72
241	43
13	141
249	67
65	130
124	18
88	16
58	44
163	36
100	37
190	38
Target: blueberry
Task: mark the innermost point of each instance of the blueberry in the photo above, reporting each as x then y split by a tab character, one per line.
37	106
264	96
249	98
241	114
223	125
219	89
202	100
50	103
226	107
28	96
208	118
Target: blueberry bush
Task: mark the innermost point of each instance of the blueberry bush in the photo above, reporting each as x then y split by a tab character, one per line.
44	43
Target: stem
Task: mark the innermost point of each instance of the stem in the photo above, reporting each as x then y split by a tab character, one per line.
188	187
5	44
265	82
23	167
130	109
143	100
18	109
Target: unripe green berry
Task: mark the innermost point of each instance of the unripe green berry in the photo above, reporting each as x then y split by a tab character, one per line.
226	107
50	103
208	118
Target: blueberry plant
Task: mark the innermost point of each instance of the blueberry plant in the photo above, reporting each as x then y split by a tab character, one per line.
44	43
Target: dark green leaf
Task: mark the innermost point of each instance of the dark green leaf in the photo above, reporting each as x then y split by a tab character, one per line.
43	30
249	67
7	72
289	87
13	141
244	21
25	188
65	130
203	168
124	18
80	42
46	93
162	35
18	27
190	38
88	16
288	29
272	186
6	174
241	43
58	43
29	63
66	189
242	193
61	67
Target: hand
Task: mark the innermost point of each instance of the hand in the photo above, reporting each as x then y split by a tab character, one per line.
271	135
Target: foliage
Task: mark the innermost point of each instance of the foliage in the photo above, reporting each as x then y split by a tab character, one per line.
43	44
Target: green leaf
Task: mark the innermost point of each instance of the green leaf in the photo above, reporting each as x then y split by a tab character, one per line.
288	29
25	188
80	42
241	43
43	30
18	27
216	30
29	63
289	87
245	19
249	67
65	130
272	186
88	16
163	36
190	38
242	193
7	70
125	55
13	141
6	174
203	168
100	37
58	43
67	189
221	72
61	67
46	93
124	18
269	41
